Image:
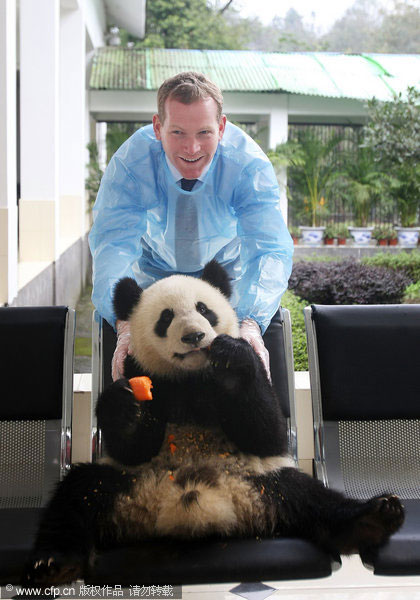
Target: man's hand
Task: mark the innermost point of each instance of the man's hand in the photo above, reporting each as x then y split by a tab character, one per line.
250	331
121	350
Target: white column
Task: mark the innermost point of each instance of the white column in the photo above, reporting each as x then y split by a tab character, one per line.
101	129
39	110
278	124
72	126
8	207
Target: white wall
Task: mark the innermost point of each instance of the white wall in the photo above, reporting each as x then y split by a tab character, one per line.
54	130
72	127
8	208
39	138
95	20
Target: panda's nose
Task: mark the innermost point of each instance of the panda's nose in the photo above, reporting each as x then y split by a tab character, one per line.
193	338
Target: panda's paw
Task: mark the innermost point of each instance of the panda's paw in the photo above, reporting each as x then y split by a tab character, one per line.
116	389
232	356
380	518
49	568
387	512
385	515
117	407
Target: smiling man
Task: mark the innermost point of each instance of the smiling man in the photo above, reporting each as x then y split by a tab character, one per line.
189	136
187	189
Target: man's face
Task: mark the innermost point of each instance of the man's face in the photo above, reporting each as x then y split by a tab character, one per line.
190	134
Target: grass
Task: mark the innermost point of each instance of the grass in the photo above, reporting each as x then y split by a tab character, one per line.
83	346
296	306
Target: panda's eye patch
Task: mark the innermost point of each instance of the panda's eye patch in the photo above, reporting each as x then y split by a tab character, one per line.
207	313
202	308
166	315
163	322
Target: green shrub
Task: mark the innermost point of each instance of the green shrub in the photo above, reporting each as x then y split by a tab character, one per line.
412	293
296	306
408	262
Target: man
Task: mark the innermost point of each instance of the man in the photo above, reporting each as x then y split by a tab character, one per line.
187	189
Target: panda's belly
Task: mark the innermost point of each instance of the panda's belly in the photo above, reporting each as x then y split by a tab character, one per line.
185	445
199	484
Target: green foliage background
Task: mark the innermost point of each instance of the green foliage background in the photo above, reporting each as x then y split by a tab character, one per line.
366	26
188	24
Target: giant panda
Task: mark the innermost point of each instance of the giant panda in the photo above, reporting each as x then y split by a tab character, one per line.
207	456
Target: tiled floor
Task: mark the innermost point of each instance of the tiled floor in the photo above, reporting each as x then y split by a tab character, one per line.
352	582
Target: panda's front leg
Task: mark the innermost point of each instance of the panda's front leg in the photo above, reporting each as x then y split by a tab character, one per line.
249	411
132	434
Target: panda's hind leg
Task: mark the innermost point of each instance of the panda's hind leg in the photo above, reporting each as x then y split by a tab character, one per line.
305	508
77	519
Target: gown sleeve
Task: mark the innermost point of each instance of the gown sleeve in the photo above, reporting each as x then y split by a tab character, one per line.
115	238
266	245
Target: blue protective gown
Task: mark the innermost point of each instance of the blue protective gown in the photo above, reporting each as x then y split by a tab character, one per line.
239	223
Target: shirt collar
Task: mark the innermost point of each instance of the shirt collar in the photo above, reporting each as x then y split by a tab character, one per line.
177	175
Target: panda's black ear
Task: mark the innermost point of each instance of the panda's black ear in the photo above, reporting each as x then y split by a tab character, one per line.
216	275
126	295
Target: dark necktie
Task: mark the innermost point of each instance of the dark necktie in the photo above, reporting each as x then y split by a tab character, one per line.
187	253
188	184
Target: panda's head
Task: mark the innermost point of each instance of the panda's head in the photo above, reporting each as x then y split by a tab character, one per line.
174	321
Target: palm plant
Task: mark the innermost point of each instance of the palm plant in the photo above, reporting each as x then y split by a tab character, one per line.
406	190
361	183
94	174
311	164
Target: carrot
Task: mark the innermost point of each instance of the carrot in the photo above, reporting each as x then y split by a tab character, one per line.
141	387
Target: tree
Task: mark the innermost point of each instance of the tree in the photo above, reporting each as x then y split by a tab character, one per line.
367	27
393	133
295	36
354	32
399	31
188	24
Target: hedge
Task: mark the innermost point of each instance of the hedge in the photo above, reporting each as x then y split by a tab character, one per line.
347	282
407	262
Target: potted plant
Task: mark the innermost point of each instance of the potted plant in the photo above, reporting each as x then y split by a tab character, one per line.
295	233
392	134
310	173
330	234
342	234
381	234
393	237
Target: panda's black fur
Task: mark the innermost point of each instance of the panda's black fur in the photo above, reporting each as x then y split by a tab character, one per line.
207	456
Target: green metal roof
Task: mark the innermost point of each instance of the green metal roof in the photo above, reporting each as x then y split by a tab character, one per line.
358	76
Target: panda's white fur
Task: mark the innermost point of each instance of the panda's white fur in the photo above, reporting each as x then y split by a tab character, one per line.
226	503
181	294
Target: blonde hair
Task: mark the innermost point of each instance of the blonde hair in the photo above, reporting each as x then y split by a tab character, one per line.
188	87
